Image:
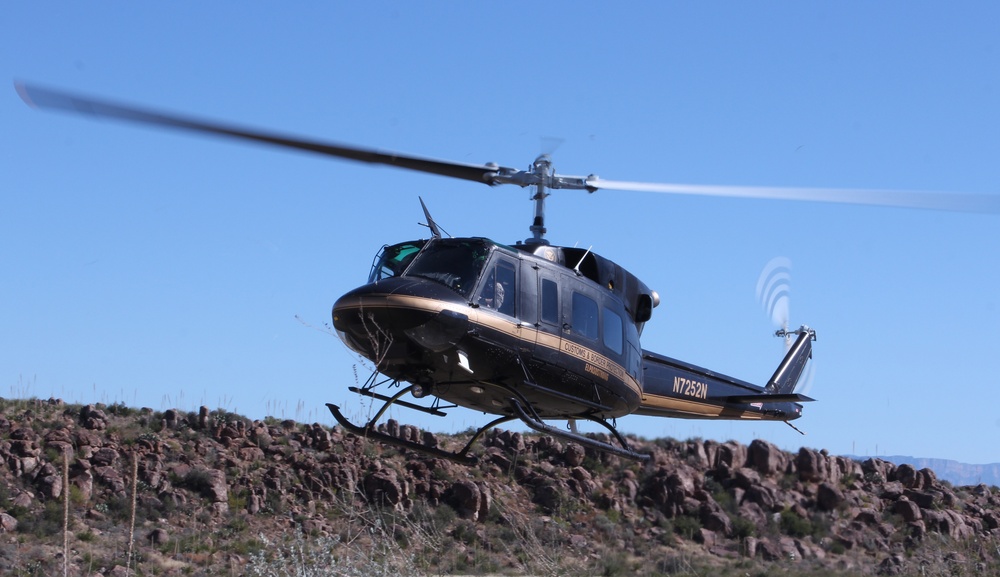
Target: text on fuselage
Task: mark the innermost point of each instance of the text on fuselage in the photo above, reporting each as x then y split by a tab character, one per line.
690	388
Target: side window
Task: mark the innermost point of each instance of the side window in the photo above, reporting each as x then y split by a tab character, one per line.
550	301
613	330
499	291
634	357
585	316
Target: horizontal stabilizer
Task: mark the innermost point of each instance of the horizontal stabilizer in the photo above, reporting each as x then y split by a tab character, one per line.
765	398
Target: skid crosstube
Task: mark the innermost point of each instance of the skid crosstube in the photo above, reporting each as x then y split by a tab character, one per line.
370	432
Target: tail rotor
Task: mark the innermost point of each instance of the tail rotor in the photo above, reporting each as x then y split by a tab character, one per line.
774	296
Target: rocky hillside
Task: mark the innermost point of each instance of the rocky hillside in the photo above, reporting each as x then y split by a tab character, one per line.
955	472
112	490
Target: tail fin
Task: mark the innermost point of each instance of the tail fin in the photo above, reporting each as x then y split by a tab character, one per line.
790	370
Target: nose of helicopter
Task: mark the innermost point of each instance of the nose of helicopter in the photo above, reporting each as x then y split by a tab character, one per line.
396	317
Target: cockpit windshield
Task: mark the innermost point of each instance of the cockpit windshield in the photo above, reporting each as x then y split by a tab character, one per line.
393	260
455	263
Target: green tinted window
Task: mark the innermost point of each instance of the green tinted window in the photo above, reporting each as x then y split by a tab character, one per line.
393	260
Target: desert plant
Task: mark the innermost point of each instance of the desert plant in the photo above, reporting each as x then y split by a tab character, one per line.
304	557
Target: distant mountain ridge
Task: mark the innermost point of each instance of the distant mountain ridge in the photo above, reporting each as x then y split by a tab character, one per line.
956	473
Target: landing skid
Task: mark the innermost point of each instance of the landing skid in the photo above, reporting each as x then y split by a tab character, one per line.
623	451
370	431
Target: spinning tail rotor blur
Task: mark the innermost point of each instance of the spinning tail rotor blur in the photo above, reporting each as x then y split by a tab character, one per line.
774	290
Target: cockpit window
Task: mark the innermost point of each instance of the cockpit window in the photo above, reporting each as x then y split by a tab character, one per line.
499	289
454	263
392	260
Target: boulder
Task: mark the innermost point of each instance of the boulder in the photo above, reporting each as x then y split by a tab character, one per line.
907	475
762	496
811	466
731	454
829	497
908	510
105	457
706	537
927	478
93	418
574	455
923	499
83	480
211	483
382	488
696	454
768	550
681	484
765	458
50	482
549	495
746	478
465	497
8	524
715	519
60	440
876	470
158	537
892	565
485	500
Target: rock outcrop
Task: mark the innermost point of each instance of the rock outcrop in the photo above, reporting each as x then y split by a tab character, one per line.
204	483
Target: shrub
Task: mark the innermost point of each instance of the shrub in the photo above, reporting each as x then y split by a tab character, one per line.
743	528
324	556
795	526
686	526
50	522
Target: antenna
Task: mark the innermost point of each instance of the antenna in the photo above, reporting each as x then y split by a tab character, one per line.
435	231
576	269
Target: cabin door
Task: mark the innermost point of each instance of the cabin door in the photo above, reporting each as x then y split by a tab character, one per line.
548	315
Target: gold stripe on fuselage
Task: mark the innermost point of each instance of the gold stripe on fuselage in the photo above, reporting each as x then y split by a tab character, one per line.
595	363
652	404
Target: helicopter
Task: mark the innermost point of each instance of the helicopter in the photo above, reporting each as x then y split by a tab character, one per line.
527	331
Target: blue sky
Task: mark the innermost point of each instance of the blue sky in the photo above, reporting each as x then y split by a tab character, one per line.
165	270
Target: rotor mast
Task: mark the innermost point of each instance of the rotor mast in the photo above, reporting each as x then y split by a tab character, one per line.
541	176
542	165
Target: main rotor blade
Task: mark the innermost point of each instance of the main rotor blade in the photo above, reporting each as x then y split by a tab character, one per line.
37	97
953	201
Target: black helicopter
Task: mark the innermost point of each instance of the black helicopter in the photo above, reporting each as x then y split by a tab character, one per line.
529	331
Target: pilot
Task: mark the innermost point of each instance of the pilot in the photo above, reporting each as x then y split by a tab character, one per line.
498	290
493	292
505	285
498	296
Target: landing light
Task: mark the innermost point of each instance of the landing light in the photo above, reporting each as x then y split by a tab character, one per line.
463	361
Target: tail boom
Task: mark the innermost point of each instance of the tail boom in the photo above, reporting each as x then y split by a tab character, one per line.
674	388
